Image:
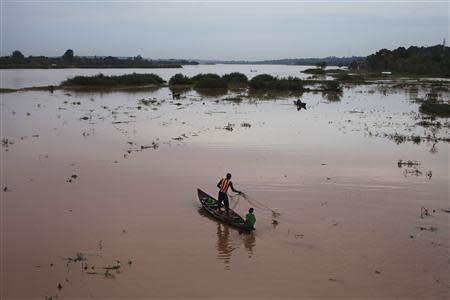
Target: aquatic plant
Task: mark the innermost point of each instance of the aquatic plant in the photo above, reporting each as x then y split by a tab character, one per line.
236	99
436	109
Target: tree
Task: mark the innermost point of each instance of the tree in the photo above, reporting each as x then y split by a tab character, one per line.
68	55
17	55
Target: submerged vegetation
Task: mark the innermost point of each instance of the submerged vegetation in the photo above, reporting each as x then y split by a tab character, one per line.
103	81
323	71
437	109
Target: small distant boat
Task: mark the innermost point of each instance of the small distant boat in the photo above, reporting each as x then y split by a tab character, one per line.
233	219
300	104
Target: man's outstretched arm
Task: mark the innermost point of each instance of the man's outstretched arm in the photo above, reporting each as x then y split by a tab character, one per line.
232	188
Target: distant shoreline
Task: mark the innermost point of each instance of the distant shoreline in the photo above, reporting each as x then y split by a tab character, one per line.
69	60
89	67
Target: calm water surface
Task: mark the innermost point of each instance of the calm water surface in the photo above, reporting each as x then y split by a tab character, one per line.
16	78
350	223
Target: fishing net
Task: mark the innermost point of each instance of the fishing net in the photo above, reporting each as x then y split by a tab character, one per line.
254	203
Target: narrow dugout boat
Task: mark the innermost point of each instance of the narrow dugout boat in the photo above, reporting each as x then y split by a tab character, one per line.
232	218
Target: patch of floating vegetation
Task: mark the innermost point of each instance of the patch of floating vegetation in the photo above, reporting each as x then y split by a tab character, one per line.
416	139
349	77
323	71
149	102
236	99
409	163
434	108
437	124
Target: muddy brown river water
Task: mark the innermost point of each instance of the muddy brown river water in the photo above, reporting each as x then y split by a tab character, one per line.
101	201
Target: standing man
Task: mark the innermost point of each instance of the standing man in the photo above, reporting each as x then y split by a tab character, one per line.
223	186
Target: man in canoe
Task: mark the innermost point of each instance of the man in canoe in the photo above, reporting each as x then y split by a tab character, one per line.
223	186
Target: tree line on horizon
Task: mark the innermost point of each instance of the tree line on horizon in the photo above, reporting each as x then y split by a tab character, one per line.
433	60
68	60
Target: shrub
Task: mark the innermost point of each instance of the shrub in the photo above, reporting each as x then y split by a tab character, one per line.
262	81
235	78
268	82
209	81
179	79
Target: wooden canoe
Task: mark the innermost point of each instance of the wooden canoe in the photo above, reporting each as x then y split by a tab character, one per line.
232	218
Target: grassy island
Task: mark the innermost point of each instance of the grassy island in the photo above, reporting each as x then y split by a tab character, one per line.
101	81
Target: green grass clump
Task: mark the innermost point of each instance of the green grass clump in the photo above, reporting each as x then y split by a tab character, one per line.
236	99
101	80
209	81
268	82
180	79
344	76
435	109
317	71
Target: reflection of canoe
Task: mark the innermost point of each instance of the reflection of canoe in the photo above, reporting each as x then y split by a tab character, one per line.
210	204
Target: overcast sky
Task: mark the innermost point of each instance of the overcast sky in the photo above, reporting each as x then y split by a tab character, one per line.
220	30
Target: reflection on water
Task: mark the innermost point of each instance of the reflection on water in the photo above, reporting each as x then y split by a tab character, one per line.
229	240
224	249
273	94
216	92
249	242
332	96
180	89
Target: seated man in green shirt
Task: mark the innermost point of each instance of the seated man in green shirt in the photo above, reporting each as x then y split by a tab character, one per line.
250	219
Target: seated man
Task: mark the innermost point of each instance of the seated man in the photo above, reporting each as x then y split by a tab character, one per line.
250	219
